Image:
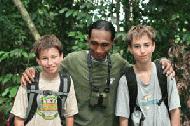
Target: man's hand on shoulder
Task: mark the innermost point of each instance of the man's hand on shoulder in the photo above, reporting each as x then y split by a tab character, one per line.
27	76
167	66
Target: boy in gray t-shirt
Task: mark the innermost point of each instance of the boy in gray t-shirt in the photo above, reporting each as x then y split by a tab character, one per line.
141	44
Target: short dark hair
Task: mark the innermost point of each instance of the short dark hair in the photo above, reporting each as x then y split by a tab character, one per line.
46	42
104	25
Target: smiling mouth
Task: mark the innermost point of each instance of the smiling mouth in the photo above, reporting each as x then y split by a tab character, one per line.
50	68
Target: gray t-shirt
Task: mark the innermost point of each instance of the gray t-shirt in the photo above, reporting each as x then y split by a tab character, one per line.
148	96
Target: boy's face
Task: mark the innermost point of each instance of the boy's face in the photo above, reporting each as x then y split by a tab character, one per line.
142	48
50	60
100	43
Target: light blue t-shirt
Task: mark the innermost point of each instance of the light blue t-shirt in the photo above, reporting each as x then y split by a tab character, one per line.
147	98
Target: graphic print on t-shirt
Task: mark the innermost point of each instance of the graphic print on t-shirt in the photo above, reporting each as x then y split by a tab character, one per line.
47	107
148	101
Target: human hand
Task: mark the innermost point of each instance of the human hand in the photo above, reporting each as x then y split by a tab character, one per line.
167	66
27	76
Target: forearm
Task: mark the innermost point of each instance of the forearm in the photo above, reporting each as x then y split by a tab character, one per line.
123	121
18	121
69	121
175	117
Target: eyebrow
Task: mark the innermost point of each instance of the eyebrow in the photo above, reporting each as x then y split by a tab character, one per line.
100	41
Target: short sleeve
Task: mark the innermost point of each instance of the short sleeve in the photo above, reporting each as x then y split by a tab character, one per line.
122	101
71	107
20	103
173	95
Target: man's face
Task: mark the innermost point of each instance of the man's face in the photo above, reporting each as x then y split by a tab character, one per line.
50	60
100	43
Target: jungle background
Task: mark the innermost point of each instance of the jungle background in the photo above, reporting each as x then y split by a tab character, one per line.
69	20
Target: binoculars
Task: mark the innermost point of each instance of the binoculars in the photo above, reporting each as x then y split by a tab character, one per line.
99	99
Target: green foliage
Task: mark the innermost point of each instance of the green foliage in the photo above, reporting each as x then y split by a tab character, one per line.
9	82
79	40
69	20
16	53
9	79
10	92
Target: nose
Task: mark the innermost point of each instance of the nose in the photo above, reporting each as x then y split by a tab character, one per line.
142	49
99	49
50	62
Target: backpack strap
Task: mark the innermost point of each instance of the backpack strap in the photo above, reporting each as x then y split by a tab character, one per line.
64	89
133	91
163	84
32	95
132	86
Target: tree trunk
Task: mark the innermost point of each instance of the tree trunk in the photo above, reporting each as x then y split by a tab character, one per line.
27	19
131	10
117	14
127	14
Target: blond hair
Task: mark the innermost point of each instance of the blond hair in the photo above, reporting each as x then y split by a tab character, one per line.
139	31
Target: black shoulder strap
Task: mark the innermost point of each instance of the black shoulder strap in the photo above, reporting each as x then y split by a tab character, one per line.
65	88
163	84
132	86
32	103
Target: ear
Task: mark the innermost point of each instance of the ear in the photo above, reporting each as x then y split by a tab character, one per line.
130	49
38	61
61	56
113	41
153	46
88	39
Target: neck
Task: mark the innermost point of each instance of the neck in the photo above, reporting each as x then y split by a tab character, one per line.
140	67
143	71
99	60
49	76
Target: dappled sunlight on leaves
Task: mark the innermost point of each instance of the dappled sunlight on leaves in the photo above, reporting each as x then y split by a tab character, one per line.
180	54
